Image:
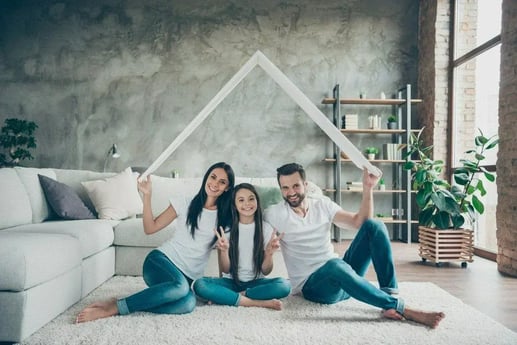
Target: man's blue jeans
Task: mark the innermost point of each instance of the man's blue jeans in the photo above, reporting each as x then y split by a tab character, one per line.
340	279
226	292
168	289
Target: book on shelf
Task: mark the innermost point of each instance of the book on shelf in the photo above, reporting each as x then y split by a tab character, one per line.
354	186
392	151
350	121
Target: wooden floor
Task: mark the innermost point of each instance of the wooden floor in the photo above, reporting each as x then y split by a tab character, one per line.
479	285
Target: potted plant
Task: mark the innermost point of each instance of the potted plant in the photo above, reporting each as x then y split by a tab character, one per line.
16	138
448	211
382	184
371	152
392	122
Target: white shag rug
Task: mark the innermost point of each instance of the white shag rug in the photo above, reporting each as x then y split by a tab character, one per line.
300	322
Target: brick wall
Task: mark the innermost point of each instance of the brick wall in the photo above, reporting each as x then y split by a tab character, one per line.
433	74
507	158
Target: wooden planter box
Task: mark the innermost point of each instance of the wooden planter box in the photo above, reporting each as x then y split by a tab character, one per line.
440	246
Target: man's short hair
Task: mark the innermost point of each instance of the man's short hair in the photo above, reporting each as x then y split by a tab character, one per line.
289	169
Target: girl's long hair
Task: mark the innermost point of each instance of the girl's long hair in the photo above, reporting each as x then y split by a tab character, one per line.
258	237
223	202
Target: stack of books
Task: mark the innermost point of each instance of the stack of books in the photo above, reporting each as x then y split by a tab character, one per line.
354	186
392	151
350	121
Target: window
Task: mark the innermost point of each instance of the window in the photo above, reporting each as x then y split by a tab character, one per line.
475	94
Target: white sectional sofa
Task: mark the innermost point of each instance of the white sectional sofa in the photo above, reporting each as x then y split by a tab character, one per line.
47	265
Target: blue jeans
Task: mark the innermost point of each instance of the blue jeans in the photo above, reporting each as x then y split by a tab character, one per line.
225	291
168	289
340	279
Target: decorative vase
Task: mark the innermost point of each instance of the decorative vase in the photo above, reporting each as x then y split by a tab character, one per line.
448	245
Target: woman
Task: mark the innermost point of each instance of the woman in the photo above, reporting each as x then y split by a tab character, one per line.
247	257
170	269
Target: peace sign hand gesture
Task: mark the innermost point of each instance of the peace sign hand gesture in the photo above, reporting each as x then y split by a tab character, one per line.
222	243
274	242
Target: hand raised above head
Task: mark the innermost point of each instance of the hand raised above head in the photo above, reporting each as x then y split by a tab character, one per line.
369	179
145	185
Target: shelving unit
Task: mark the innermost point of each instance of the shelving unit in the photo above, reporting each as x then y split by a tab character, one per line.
402	195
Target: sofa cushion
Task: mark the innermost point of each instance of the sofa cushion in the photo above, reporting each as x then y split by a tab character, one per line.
29	259
39	206
130	232
63	200
115	197
74	178
94	235
15	206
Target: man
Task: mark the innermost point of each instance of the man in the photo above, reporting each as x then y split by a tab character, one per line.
313	267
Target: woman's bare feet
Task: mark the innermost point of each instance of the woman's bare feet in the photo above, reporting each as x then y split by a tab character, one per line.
431	319
98	310
270	303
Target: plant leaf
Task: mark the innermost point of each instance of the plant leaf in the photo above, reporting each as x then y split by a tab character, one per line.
490	177
426	215
442	220
478	205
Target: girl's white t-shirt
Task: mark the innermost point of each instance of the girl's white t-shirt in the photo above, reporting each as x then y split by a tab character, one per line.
189	254
246	235
306	243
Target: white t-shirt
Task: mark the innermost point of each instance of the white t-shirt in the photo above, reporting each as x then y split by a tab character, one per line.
246	234
189	254
306	243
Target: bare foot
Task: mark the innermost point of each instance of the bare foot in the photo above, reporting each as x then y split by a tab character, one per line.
98	310
270	303
431	319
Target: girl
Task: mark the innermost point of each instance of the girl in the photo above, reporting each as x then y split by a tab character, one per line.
170	269
247	257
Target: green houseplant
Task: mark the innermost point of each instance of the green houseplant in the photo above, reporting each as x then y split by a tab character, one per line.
371	152
441	204
16	139
444	207
392	122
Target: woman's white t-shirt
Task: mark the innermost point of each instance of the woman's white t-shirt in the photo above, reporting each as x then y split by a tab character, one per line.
306	242
246	235
189	254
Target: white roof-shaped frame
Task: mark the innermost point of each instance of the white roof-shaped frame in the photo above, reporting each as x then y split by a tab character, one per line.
259	59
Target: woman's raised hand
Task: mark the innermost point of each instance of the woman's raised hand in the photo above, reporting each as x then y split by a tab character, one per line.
145	185
222	243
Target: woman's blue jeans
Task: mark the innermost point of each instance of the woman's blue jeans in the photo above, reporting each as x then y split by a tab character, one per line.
340	279
226	292
168	289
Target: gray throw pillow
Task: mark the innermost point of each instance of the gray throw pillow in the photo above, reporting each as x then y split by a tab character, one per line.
268	196
63	200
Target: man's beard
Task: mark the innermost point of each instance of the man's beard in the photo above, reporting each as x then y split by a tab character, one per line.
296	202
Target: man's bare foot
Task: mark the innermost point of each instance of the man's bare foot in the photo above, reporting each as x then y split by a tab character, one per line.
98	310
431	319
270	303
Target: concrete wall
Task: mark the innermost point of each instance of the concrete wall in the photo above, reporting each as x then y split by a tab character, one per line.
135	73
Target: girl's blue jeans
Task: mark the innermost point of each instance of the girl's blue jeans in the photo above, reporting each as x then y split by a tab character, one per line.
168	289
340	279
225	291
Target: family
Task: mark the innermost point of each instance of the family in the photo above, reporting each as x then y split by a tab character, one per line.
230	218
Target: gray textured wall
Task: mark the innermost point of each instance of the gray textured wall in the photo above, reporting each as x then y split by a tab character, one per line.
135	73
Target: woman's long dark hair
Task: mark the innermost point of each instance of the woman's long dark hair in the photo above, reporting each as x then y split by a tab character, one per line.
258	237
223	202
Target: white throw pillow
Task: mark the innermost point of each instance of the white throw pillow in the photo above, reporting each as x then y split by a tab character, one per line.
115	197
